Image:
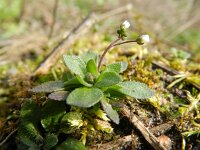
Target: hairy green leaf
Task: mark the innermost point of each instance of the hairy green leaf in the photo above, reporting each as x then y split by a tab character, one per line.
48	87
29	135
114	93
90	55
28	131
71	144
50	141
92	67
52	113
76	82
107	79
84	97
137	90
124	66
117	67
112	114
75	64
59	95
30	112
66	76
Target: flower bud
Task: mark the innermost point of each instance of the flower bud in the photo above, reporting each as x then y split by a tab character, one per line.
143	39
122	30
125	24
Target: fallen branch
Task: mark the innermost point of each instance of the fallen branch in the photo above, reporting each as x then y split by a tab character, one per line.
162	128
151	139
165	68
67	41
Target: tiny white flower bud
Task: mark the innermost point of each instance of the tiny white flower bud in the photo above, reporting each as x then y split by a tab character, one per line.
145	38
126	24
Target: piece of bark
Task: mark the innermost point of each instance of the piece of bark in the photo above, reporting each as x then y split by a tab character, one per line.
162	128
150	138
82	28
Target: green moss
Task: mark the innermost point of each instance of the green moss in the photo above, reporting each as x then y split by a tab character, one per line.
140	71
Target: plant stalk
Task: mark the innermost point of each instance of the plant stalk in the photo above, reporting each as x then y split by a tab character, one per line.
105	51
113	44
124	42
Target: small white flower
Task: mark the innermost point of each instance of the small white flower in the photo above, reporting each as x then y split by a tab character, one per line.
145	38
126	24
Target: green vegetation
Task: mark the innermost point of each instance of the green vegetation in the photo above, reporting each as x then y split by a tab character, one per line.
82	86
79	101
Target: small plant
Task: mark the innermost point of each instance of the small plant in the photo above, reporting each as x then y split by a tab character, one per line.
87	86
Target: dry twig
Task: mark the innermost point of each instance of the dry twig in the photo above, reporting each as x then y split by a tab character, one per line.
151	139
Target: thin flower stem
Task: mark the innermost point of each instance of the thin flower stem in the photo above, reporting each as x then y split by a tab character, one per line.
124	42
105	51
113	44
